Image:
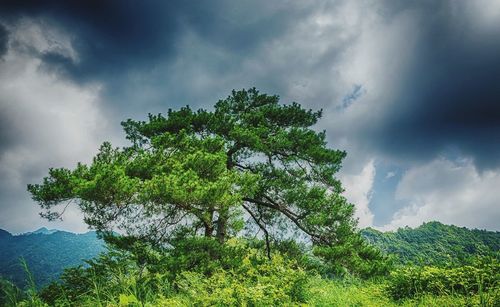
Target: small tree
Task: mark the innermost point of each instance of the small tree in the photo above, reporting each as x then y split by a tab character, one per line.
251	162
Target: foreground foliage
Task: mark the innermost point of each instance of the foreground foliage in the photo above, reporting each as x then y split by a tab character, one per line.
239	273
374	294
432	244
230	274
480	275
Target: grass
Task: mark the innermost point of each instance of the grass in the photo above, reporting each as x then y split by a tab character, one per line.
324	292
341	293
321	292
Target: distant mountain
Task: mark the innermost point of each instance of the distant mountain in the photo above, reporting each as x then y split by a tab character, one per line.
434	243
43	230
4	234
47	253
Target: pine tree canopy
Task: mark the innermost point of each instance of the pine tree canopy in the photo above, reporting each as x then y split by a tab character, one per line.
249	165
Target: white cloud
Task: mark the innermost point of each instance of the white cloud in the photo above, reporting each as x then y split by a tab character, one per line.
40	36
389	175
358	191
449	192
484	13
55	123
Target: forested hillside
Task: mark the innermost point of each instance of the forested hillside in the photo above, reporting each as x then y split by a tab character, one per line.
47	253
434	243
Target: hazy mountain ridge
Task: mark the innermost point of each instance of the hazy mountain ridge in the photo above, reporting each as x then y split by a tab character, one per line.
43	230
47	253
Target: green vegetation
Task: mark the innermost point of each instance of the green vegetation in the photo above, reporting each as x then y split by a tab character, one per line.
481	275
374	294
46	254
435	244
240	206
246	277
202	272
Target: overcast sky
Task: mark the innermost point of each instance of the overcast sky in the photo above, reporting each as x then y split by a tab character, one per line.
410	89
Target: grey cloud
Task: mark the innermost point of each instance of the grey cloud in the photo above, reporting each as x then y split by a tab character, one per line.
155	54
451	193
4	40
120	43
448	96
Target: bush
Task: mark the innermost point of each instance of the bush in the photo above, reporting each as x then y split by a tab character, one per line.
257	282
203	255
480	276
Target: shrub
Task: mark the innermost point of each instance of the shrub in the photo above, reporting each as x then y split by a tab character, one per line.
256	282
481	275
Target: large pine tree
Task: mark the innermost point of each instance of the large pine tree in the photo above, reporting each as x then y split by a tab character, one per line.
250	163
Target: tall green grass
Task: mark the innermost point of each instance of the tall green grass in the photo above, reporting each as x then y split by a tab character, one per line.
255	281
481	276
13	296
319	292
340	293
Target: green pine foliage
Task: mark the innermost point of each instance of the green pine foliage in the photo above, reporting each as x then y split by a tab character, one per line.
250	166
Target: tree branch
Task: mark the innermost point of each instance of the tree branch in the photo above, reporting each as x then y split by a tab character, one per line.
261	226
291	215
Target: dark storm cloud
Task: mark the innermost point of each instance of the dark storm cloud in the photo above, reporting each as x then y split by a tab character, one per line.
113	37
448	98
109	36
132	48
450	95
4	39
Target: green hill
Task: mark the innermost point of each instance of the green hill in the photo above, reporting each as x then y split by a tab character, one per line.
434	243
47	253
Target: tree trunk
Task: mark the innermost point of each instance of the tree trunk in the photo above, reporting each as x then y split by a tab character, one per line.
209	230
222	226
209	224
